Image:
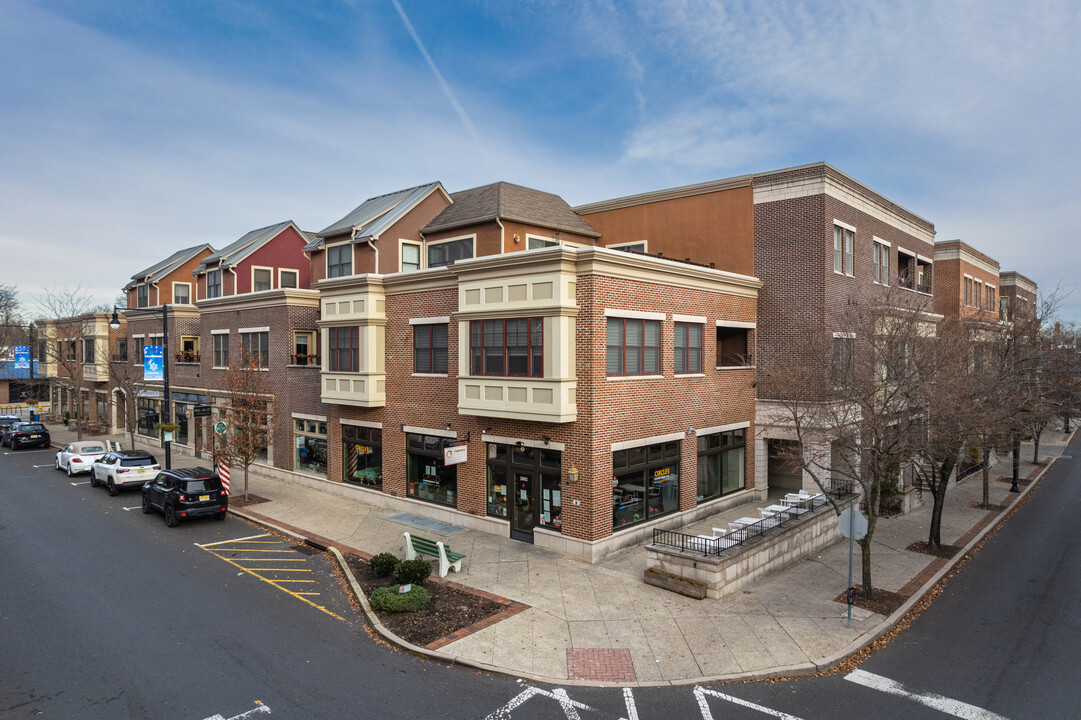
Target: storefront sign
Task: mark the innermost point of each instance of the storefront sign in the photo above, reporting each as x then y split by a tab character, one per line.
455	454
152	363
662	474
201	411
362	449
220	428
22	357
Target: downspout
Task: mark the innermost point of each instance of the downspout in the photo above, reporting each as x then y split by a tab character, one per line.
502	235
369	239
236	282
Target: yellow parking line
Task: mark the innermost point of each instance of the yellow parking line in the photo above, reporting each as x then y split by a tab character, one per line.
277	580
264	559
268	581
249	550
300	593
272	569
223	542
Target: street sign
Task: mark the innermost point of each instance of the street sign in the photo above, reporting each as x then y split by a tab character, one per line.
852	523
220	428
22	357
152	363
201	411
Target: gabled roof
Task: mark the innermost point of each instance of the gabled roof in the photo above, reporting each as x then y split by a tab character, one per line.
376	214
505	201
156	272
235	252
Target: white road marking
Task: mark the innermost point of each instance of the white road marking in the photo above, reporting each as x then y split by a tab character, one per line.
931	700
137	507
701	692
82	483
570	707
628	700
49	465
261	709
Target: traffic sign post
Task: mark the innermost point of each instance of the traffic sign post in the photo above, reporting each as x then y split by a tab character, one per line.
853	525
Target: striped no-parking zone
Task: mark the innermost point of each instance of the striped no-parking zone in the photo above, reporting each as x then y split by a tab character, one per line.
275	562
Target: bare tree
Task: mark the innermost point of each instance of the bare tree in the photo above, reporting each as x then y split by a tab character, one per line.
12	327
247	413
856	414
63	310
127	378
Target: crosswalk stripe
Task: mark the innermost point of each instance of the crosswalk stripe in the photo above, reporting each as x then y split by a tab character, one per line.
931	700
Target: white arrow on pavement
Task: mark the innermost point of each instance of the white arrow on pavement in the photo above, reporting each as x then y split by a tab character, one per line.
82	483
262	709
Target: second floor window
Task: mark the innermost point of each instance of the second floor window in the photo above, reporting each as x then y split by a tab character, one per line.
143	296
260	279
634	347
339	260
990	306
733	347
256	346
430	348
410	257
221	350
343	353
881	263
213	284
446	253
688	348
88	350
968	292
513	348
121	349
139	344
287	278
181	293
843	241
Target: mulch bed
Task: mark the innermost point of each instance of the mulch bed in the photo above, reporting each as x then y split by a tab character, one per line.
239	501
981	506
946	551
451	611
882	602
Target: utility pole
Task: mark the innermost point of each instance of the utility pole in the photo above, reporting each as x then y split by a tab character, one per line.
165	376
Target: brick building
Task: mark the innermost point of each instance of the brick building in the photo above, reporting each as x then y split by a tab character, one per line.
1017	295
966	282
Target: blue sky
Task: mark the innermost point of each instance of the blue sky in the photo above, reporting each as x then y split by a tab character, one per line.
130	129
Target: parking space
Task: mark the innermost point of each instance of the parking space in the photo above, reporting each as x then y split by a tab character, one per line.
298	570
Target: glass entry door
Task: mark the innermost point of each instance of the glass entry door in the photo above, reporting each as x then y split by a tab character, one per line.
524	512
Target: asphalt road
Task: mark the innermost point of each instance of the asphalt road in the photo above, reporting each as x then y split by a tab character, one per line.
106	613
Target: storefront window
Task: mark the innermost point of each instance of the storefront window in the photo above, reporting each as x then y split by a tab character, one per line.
181	410
310	444
645	483
721	463
148	416
513	470
427	477
103	407
362	450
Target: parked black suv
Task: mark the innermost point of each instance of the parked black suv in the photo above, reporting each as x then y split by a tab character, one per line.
27	434
185	493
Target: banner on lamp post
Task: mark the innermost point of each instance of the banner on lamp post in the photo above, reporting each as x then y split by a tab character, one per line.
152	363
22	357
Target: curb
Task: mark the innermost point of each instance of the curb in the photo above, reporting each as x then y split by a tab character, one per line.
821	665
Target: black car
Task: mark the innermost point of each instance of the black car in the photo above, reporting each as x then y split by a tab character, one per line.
186	493
27	434
6	421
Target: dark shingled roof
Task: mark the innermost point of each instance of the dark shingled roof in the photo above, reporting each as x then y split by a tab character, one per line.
156	272
510	202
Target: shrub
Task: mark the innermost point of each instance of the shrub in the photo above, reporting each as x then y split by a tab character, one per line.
389	600
413	571
383	564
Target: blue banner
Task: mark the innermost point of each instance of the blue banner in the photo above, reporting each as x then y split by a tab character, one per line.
152	367
22	357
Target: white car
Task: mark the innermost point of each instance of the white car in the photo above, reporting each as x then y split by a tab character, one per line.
123	468
77	457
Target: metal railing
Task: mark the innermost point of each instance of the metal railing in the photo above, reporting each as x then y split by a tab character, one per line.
707	545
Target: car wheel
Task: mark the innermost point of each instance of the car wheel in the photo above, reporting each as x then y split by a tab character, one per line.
113	491
93	479
70	473
170	516
14	446
58	464
146	505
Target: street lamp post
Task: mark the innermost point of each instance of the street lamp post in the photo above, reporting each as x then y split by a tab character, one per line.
165	377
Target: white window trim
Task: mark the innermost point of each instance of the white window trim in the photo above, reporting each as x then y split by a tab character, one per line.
254	329
722	428
642	442
316	418
633	314
557	241
421	255
620	378
845	225
693	319
219	332
444	320
362	423
880	241
261	267
139	336
440	432
326	258
902	251
925	260
288	270
737	324
617	246
875	242
188	285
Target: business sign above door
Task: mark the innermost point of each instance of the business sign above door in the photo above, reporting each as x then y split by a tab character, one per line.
455	454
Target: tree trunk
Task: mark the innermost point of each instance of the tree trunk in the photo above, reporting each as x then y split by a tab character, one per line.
986	479
246	482
1016	459
1036	445
934	532
1066	424
131	438
865	563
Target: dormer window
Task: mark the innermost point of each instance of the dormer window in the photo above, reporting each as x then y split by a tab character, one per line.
143	296
213	284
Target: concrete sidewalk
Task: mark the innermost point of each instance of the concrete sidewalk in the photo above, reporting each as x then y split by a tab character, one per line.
597	624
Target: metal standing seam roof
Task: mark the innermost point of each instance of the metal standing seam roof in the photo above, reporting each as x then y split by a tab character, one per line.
376	214
507	201
236	251
159	270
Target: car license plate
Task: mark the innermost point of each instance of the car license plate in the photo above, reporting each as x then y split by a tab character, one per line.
204	498
34	437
